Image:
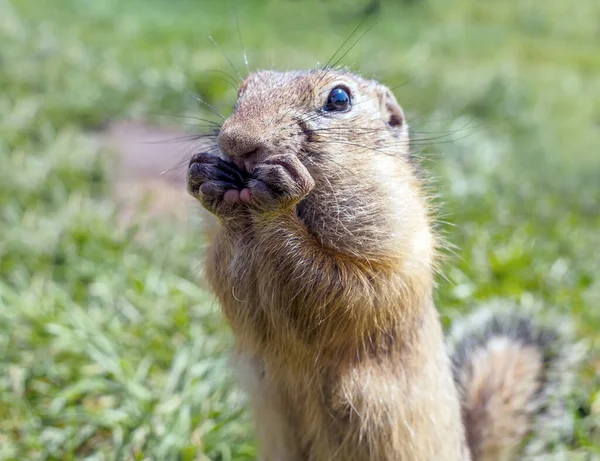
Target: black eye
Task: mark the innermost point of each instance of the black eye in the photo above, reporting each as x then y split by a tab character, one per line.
338	100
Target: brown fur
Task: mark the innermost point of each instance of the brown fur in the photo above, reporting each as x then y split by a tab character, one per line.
326	277
492	396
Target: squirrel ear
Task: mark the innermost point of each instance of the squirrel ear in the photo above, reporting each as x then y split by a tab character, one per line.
391	110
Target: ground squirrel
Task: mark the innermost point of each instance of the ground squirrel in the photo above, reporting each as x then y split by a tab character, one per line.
323	263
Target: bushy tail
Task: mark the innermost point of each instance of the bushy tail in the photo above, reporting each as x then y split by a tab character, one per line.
513	376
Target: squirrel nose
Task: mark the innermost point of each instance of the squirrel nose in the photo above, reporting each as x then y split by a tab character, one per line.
240	141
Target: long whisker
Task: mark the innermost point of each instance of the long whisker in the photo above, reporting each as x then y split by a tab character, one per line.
354	144
212	122
441	135
355	43
237	20
192	137
229	80
211	108
226	57
326	66
186	159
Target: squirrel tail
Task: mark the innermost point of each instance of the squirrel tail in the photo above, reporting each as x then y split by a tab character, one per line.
513	375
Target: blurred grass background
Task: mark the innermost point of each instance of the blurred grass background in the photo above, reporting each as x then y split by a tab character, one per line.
109	349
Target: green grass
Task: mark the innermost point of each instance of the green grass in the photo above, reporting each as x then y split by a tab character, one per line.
109	350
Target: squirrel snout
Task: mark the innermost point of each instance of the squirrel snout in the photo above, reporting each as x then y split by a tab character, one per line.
242	143
240	139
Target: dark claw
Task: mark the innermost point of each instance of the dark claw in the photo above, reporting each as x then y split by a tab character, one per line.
222	175
216	187
195	170
210	167
203	157
233	171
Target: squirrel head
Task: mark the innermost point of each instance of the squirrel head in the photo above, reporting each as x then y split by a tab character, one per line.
323	116
351	135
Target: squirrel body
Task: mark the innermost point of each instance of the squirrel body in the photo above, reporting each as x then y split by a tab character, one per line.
323	263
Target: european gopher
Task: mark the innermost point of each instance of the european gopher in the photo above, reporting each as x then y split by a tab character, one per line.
323	263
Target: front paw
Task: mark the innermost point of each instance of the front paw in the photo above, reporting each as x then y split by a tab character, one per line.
278	183
215	183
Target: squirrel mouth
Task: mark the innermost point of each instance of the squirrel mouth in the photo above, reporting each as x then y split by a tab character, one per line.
246	163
